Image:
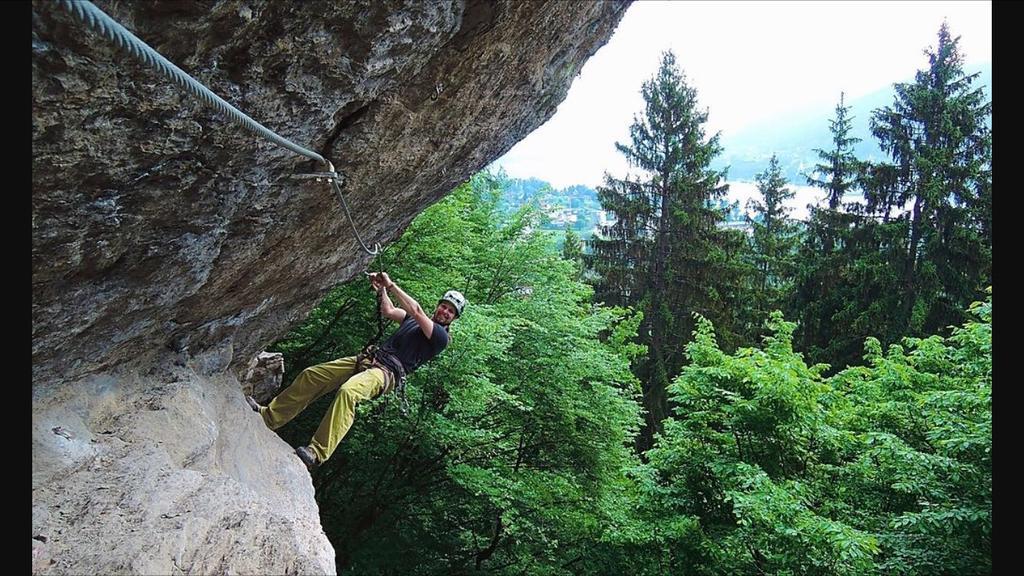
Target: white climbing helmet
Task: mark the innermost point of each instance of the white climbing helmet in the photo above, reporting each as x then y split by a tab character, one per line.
455	298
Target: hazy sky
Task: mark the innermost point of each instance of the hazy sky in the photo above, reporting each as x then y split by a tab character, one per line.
748	61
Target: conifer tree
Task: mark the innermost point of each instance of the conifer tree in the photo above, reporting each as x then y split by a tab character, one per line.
664	254
828	248
773	239
938	136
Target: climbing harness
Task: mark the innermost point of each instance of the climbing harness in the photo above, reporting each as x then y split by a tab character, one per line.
88	13
374	357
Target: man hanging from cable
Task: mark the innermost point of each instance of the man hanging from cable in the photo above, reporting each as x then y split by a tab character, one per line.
375	371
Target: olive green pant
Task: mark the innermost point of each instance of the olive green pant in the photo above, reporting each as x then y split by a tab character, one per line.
314	382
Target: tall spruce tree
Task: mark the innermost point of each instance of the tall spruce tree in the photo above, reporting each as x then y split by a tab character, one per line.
773	239
839	169
938	136
839	173
664	254
828	249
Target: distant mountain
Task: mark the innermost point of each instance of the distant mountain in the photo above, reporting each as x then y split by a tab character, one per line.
795	136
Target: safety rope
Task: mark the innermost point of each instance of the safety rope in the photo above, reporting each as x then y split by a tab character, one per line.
98	20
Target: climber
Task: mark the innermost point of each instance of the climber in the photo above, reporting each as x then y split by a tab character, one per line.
372	372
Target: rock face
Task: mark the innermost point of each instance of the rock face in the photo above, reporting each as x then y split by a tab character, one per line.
150	211
167	472
169	246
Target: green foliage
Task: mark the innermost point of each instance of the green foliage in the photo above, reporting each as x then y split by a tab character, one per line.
880	469
513	456
516	456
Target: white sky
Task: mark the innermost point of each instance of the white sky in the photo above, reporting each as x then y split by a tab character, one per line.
748	61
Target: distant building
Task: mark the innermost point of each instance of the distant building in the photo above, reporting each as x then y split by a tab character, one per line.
562	216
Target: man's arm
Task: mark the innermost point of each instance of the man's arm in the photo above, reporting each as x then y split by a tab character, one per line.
411	306
387	308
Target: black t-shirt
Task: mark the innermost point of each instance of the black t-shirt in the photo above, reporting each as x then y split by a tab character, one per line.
411	346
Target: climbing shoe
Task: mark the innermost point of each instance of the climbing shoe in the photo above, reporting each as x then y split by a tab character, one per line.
253	403
308	458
